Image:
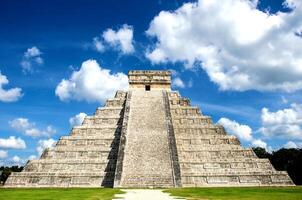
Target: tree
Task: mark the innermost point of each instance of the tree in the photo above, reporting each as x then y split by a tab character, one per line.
261	152
6	171
289	160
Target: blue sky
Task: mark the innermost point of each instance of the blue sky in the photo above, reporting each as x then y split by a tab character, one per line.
239	61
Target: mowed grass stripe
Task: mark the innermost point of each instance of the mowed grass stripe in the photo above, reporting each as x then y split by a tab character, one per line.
243	193
58	194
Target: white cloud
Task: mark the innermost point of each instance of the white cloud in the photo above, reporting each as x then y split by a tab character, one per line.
77	119
91	83
12	143
177	82
16	159
9	95
29	128
285	123
291	144
243	132
31	55
32	52
259	143
3	154
35	132
121	39
42	144
32	157
238	46
20	124
98	44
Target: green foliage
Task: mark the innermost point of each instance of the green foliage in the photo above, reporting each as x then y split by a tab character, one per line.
245	193
6	171
289	160
61	194
261	152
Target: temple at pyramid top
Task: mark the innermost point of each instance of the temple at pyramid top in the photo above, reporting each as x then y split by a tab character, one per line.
149	80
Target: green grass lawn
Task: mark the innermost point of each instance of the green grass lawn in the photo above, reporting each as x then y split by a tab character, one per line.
58	194
247	193
257	193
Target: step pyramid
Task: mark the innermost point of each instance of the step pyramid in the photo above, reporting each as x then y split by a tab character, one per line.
148	136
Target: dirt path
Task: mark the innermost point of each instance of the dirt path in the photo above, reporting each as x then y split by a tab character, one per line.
144	194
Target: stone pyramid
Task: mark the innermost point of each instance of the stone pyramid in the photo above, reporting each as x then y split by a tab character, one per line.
148	136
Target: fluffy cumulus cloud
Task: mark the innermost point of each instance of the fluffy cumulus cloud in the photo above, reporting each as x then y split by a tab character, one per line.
284	123
91	83
42	144
29	128
77	119
121	39
242	131
12	143
3	154
31	56
8	95
16	159
177	82
98	44
291	144
20	124
238	46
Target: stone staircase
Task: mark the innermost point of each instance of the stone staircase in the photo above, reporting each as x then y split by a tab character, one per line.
85	158
209	157
147	160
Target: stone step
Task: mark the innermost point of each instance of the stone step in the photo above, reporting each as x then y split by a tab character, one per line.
70	166
234	173
72	160
192	120
225	165
90	137
88	154
224	171
173	94
102	121
178	101
142	181
237	179
147	147
227	160
200	130
184	110
101	148
96	131
223	139
115	102
70	142
207	147
58	179
191	155
109	111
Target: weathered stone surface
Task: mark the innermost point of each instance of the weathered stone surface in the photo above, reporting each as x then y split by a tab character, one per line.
148	139
147	160
85	158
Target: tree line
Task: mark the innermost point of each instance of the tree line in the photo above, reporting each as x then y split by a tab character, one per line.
6	171
289	160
